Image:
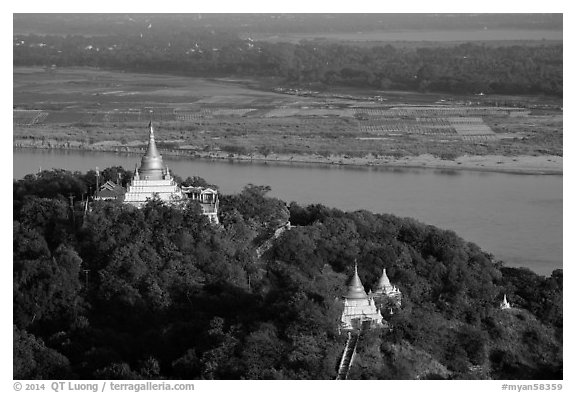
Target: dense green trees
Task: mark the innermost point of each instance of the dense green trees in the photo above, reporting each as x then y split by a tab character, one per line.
465	68
159	292
33	360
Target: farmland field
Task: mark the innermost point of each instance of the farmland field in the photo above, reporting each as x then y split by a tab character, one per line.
96	109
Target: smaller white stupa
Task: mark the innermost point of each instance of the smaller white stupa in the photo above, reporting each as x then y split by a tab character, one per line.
385	289
505	305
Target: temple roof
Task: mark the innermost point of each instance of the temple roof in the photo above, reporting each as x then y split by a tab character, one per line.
355	288
110	190
152	166
199	189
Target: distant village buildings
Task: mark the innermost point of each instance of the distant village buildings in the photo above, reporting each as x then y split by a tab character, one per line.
153	180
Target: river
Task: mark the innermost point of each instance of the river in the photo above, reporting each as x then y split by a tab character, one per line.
518	218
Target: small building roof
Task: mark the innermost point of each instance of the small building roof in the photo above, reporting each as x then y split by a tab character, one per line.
110	190
198	189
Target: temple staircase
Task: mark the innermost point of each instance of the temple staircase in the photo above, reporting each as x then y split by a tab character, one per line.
350	350
268	243
348	355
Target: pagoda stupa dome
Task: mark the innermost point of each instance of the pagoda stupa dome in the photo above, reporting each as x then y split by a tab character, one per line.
152	166
355	288
384	283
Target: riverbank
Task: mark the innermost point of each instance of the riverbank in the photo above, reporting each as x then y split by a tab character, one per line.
538	165
533	165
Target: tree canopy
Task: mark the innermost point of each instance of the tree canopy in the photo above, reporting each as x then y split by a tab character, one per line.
466	68
159	292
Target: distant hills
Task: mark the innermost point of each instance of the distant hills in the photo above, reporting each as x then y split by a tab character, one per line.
106	24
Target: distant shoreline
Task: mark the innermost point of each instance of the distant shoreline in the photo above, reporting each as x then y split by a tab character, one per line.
522	165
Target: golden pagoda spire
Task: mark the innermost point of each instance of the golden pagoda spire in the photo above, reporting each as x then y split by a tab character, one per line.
152	167
355	288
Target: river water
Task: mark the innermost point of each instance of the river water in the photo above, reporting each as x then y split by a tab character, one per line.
518	218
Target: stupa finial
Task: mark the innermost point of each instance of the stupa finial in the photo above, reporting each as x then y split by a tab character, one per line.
136	173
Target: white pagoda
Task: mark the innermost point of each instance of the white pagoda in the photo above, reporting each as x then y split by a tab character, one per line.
505	305
358	306
152	179
385	289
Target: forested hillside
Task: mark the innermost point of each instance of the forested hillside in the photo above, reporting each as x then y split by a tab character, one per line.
158	292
